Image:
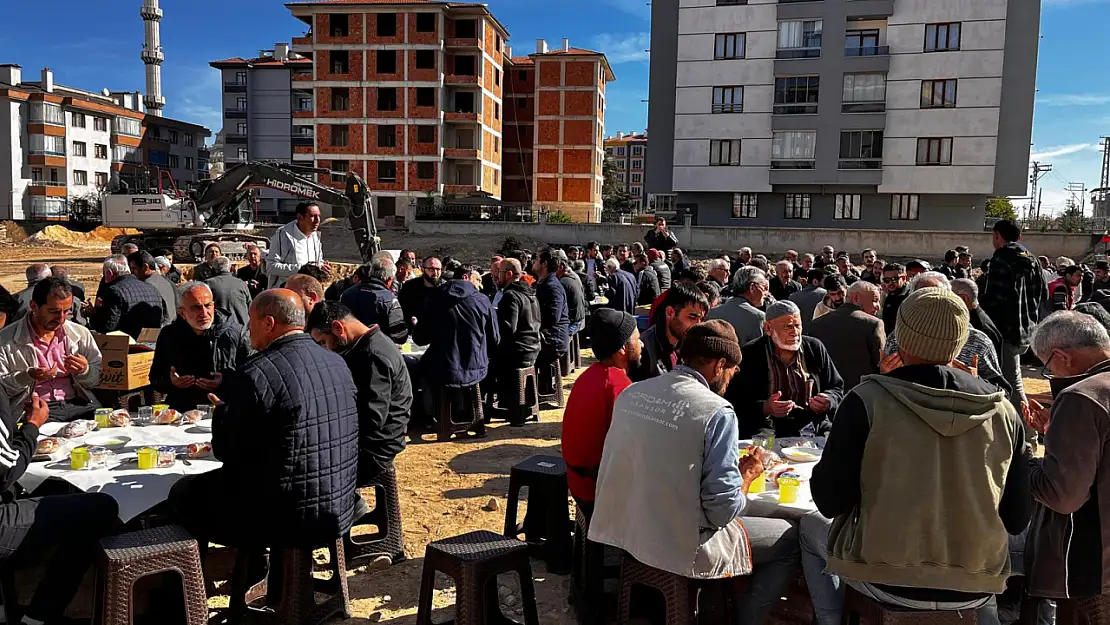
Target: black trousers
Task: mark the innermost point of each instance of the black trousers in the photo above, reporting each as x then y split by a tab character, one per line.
73	524
212	511
71	410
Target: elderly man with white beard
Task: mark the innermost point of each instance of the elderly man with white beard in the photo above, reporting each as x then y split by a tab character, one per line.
786	381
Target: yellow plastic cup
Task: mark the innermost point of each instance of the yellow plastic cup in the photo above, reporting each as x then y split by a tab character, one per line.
79	458
157	408
788	489
103	417
148	458
758	485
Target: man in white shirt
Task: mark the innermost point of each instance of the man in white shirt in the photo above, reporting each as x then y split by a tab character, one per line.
295	244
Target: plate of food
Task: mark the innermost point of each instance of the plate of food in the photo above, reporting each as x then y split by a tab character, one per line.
107	440
802	454
168	416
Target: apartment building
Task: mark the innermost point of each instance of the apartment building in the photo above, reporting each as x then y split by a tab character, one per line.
258	101
406	94
900	114
65	144
628	153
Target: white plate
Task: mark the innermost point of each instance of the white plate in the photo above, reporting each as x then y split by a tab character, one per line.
801	454
106	440
745	443
204	426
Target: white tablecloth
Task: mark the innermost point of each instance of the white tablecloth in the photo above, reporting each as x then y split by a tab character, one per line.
766	504
135	490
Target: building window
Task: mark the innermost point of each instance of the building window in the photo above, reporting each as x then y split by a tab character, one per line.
174	137
636	192
387	24
340	61
861	149
521	103
942	37
174	162
386	61
799	39
847	206
126	154
339	170
496	177
242	153
304	104
100	124
793	149
387	171
425	96
128	126
864	93
637	150
903	207
78	120
340	134
340	24
425	59
101	179
100	151
240	78
620	150
340	98
80	178
497	77
745	205
426	134
425	170
728	99
189	163
79	148
934	151
637	163
861	42
496	144
522	75
387	136
729	46
496	110
241	128
637	177
43	113
724	152
45	144
796	95
938	94
425	22
36	174
387	98
188	140
797	205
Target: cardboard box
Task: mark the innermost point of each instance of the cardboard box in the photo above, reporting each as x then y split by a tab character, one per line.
125	364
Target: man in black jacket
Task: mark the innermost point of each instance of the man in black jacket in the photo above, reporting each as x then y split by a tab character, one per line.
648	282
67	526
622	288
195	351
554	318
683	307
144	268
288	439
253	273
126	303
414	294
896	290
783	285
806	386
229	292
662	269
576	297
383	386
660	238
372	301
518	322
968	291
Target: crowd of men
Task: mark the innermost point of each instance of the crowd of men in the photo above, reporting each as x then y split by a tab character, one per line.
913	372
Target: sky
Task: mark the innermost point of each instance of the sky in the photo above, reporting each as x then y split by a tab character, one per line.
93	49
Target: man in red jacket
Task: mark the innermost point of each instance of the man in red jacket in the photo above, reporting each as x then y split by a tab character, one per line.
616	344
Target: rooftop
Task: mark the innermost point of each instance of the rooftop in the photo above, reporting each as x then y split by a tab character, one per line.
609	75
483	7
262	61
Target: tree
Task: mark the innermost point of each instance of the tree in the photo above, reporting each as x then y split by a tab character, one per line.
1001	207
1072	220
614	196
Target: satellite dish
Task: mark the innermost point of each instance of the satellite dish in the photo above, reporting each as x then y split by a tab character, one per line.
105	92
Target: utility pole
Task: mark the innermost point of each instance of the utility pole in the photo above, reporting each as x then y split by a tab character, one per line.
1078	198
1101	196
1039	172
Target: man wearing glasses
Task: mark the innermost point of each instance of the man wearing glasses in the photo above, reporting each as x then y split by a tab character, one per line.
415	292
895	291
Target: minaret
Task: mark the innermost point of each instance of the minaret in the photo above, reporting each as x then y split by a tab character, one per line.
152	56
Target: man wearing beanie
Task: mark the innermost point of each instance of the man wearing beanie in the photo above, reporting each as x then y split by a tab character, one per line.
925	473
786	381
671	486
616	344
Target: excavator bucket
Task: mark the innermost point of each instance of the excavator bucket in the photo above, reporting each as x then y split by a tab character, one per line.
363	217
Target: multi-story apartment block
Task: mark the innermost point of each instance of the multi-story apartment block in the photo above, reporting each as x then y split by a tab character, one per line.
406	94
65	144
556	100
898	114
258	105
628	153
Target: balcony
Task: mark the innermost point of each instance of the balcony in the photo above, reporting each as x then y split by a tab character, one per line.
301	141
203	152
728	3
802	108
48	188
793	164
467	153
461	79
460	42
867	51
302	113
235	138
728	108
235	87
302	76
305	40
860	163
459	189
863	107
798	53
157	138
235	113
461	116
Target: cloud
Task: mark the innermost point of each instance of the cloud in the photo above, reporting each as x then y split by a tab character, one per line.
1074	99
623	47
639	8
199	101
1062	150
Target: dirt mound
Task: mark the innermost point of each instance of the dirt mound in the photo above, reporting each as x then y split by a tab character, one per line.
11	232
99	237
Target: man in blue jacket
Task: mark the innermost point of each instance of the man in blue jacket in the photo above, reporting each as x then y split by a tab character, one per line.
624	290
288	439
554	315
372	300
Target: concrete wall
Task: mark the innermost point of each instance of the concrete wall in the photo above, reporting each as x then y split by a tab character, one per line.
771	241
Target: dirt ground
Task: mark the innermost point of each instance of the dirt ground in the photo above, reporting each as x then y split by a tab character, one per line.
446	488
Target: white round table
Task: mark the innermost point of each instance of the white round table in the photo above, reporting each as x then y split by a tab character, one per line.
766	504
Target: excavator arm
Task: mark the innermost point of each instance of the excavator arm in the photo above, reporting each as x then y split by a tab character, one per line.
221	202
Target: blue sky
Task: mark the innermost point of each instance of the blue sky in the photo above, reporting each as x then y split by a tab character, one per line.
93	49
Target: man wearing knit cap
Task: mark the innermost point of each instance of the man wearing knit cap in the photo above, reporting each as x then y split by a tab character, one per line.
925	474
616	344
671	487
787	381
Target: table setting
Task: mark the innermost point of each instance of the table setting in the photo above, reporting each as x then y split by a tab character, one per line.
783	490
136	462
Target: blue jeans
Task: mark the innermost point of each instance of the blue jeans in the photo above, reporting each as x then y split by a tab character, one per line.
574	328
825	591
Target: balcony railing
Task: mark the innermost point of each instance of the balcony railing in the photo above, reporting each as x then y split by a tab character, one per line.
235	138
863	107
45	152
860	163
235	113
303	141
798	53
793	164
235	87
806	108
725	3
47	183
728	108
867	51
302	75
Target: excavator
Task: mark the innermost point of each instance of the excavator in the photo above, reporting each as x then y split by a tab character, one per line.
219	210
